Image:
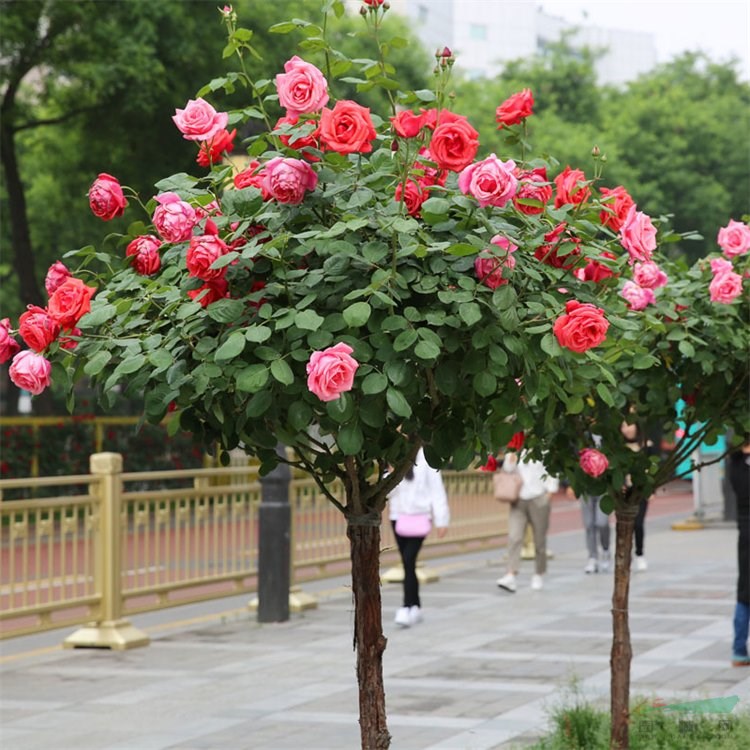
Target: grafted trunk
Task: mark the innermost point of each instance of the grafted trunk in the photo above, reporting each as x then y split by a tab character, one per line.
369	641
622	652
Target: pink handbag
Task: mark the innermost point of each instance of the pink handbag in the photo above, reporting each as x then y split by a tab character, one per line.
413	524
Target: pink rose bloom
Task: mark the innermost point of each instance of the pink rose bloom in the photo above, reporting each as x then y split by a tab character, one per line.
56	275
488	266
174	219
30	371
725	287
106	198
204	250
638	235
720	265
492	182
734	239
145	253
286	180
593	462
638	298
302	87
199	121
38	328
330	372
649	275
9	347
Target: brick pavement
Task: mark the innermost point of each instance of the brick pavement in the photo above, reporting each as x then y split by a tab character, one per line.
482	672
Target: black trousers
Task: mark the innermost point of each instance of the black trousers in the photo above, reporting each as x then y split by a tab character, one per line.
639	531
409	547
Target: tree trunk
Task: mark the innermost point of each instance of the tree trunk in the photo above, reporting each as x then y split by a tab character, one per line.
23	256
622	652
369	640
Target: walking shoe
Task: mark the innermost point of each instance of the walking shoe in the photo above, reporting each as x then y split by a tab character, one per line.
741	661
537	582
604	562
403	617
640	563
415	615
507	582
591	566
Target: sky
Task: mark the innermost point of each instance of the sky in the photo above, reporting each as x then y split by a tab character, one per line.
720	28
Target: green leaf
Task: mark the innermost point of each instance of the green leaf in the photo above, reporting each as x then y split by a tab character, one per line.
643	361
425	95
358	314
405	339
461	249
225	310
283	28
282	372
686	348
398	403
427	350
341	410
258	334
300	416
259	404
130	365
160	358
550	345
470	313
98	316
97	363
252	378
485	383
308	320
375	382
231	348
605	394
350	439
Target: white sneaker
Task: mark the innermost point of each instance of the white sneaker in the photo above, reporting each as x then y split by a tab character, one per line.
537	582
415	615
604	562
403	617
640	563
507	582
591	566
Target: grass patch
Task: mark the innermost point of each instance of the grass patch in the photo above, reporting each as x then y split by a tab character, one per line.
586	727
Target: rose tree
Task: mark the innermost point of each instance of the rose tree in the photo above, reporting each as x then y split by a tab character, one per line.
364	287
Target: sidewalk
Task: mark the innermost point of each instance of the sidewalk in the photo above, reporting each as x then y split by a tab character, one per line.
480	673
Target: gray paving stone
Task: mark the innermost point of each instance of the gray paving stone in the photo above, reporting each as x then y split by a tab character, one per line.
482	672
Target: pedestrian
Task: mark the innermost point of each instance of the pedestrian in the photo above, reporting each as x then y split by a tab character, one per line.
532	506
738	472
415	504
596	529
633	440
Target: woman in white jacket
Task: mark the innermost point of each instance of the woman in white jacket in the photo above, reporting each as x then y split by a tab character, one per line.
421	492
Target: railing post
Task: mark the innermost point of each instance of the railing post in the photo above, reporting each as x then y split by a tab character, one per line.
111	631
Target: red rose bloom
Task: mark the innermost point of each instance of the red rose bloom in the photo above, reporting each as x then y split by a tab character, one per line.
106	198
210	291
595	271
70	302
582	327
407	124
515	108
210	151
38	328
568	189
561	250
203	251
414	199
517	441
299	141
618	202
347	128
145	253
454	143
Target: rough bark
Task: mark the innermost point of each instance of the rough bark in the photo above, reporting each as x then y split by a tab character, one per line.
622	652
369	641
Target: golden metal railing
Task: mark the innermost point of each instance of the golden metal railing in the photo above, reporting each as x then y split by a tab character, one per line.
120	548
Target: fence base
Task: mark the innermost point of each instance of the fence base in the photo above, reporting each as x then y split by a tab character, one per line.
396	575
299	601
117	635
